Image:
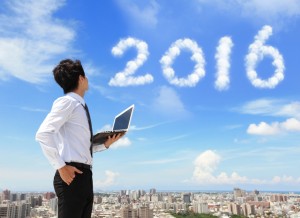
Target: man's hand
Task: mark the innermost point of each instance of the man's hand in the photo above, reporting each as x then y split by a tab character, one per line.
67	173
112	139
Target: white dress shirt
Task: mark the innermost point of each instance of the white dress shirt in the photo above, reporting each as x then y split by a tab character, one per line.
64	135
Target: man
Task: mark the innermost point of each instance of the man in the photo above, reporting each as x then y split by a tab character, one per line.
66	138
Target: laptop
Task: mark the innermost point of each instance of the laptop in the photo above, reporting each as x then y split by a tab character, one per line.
121	125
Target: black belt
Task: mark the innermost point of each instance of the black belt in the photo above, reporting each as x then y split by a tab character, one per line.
79	165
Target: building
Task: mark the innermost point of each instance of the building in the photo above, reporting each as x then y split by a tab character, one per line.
237	193
200	207
49	195
278	198
145	212
152	191
248	209
186	198
234	208
128	212
4	210
53	204
6	194
19	209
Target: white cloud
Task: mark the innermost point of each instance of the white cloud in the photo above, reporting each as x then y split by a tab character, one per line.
223	63
257	51
135	128
271	11
271	107
34	109
122	142
264	129
162	161
31	38
174	51
291	109
125	78
169	103
290	125
108	181
284	179
144	15
207	163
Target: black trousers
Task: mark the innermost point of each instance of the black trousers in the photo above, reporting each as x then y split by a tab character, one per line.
75	200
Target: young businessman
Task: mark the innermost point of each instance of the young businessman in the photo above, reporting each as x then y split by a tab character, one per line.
66	140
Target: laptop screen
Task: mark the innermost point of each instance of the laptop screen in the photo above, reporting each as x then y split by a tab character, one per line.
123	119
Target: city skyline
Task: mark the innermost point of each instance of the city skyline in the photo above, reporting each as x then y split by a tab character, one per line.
215	87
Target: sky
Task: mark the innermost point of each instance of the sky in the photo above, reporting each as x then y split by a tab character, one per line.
215	86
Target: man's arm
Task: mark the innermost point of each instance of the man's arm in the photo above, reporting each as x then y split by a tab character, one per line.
111	139
47	136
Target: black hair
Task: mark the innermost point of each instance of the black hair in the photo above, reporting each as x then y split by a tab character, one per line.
67	73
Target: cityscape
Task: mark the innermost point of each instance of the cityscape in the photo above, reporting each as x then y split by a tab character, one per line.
154	203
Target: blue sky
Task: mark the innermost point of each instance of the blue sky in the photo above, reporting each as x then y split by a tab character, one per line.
215	86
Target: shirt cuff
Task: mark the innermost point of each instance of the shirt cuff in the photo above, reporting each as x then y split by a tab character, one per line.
58	164
98	148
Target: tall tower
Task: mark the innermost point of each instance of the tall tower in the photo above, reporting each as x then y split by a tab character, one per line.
145	212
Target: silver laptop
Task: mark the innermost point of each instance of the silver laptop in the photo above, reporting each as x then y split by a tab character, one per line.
121	125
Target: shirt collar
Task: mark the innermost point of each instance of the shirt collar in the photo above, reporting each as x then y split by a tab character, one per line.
77	97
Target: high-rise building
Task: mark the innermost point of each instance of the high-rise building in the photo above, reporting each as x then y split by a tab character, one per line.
19	209
145	212
4	210
53	204
128	212
278	198
13	197
49	195
186	198
237	193
1	197
152	191
171	199
200	207
248	209
22	197
234	208
6	194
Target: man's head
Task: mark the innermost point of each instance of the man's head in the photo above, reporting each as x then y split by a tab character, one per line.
70	76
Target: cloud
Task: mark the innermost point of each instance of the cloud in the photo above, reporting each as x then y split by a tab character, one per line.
290	125
223	63
124	78
169	103
34	109
197	56
271	11
162	161
122	142
264	129
144	15
135	128
271	107
207	163
31	38
257	51
108	181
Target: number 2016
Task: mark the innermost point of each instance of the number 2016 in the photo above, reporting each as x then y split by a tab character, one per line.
256	52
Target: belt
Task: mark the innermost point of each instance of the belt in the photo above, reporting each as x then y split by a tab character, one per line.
79	165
